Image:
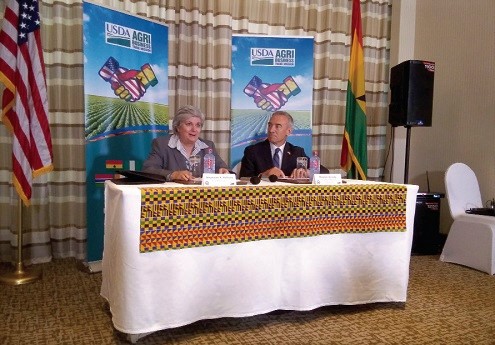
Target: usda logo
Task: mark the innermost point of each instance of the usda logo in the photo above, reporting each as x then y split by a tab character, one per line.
127	37
273	57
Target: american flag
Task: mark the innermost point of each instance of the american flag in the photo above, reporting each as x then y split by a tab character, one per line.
254	84
112	72
25	103
274	95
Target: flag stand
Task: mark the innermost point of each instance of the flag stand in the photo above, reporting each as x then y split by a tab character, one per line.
20	275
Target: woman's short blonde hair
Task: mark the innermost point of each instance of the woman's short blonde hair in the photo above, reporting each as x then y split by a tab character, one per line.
184	113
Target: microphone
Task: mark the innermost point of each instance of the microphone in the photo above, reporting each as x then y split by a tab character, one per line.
255	179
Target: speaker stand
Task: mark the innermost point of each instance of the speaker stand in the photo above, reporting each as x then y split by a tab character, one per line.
408	144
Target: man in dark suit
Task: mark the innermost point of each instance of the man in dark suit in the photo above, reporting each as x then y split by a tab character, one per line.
275	156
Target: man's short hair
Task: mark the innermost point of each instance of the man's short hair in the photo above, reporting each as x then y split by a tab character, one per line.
287	115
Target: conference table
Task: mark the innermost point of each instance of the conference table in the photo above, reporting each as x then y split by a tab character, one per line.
175	254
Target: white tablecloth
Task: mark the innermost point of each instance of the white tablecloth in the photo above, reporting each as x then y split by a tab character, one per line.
163	289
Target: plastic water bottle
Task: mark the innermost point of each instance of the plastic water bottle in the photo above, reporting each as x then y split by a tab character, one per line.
209	162
314	165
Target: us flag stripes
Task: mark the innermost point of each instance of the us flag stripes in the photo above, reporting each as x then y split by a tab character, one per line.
24	102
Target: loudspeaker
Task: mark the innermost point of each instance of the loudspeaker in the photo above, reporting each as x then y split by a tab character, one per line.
411	87
426	236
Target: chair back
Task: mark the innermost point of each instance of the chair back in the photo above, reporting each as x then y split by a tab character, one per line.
461	189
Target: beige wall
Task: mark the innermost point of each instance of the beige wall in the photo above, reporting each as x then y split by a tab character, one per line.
459	36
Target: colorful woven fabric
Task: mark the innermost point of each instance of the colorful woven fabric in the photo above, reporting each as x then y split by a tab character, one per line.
175	218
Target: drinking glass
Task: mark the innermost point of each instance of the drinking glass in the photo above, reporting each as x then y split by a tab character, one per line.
302	163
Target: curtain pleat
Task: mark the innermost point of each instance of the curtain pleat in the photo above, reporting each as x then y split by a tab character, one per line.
199	56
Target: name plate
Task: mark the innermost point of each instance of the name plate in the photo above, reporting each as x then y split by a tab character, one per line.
327	179
219	180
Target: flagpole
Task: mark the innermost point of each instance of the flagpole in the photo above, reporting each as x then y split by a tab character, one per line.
20	275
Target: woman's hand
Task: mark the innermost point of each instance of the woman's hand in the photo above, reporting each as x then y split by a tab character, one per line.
223	171
181	175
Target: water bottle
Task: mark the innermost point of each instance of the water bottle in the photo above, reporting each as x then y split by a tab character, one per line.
314	165
209	162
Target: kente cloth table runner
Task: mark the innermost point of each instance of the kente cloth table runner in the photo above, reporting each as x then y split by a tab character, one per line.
194	216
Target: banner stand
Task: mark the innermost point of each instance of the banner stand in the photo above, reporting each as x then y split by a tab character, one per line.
89	267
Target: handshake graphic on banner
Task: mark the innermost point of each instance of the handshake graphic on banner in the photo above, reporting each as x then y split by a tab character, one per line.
271	97
130	85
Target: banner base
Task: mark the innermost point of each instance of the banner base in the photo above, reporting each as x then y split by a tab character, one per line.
90	267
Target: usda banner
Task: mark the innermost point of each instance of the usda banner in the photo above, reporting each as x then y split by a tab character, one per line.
126	101
270	73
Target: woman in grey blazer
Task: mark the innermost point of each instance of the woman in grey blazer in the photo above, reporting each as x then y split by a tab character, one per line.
169	155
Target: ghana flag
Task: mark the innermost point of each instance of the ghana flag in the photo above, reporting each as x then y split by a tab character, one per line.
354	156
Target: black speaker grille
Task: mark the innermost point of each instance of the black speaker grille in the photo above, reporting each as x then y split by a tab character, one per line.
411	87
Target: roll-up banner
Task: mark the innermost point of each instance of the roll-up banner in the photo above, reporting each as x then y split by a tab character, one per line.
126	101
270	73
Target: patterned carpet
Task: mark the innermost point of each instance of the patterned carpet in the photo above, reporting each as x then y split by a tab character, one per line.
447	304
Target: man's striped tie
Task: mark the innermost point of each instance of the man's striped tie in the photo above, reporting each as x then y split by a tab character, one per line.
276	158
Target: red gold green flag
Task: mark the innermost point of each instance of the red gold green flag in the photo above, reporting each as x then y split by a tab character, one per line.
354	156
